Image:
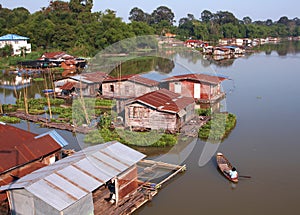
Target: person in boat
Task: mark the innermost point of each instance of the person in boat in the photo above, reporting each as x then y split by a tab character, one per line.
233	173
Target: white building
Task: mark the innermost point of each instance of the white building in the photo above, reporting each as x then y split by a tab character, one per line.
18	43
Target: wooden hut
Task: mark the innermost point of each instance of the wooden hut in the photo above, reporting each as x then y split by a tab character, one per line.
202	87
161	109
75	185
128	86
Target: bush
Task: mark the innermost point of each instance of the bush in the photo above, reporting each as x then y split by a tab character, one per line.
9	119
218	127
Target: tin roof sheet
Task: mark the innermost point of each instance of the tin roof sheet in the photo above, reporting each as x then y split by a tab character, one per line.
19	147
134	78
197	77
54	135
90	78
61	184
12	37
165	100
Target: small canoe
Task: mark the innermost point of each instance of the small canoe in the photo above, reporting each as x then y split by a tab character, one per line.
224	166
47	91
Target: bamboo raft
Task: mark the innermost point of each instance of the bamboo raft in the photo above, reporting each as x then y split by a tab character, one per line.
145	192
47	123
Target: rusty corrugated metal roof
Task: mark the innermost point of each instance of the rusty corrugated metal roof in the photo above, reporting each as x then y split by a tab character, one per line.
134	78
53	55
165	100
197	77
66	181
90	78
68	86
18	147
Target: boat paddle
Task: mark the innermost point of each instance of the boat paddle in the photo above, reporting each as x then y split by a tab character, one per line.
244	176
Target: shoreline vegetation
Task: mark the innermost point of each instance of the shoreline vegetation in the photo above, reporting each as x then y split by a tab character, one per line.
101	111
74	28
218	128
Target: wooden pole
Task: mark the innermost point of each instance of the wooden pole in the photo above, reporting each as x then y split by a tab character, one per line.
1	109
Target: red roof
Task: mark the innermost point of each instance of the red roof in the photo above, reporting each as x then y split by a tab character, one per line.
134	78
165	100
198	78
193	41
96	77
19	147
68	86
53	55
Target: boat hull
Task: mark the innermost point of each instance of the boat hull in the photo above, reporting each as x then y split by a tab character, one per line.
224	166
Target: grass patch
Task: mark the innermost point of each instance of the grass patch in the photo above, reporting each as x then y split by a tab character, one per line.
9	119
218	127
142	139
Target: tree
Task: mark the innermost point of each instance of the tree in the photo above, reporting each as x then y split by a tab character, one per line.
247	20
283	20
138	15
162	13
223	17
141	28
6	51
78	6
206	16
269	22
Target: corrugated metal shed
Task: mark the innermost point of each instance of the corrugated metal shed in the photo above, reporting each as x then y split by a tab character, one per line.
197	78
9	37
165	100
66	181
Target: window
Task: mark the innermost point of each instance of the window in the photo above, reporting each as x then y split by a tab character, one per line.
112	88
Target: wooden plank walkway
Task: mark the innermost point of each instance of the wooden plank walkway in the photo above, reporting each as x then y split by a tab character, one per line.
145	192
47	123
191	129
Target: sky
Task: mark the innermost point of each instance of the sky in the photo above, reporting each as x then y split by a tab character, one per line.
255	9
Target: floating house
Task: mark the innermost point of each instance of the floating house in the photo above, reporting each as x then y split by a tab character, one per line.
195	43
17	83
161	109
128	86
76	184
88	84
19	43
22	152
202	87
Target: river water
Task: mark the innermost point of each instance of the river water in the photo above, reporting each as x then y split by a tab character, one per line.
263	92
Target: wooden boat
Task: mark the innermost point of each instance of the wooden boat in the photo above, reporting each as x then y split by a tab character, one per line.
47	91
224	166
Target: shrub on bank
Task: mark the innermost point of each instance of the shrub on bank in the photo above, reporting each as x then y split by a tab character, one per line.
9	119
218	127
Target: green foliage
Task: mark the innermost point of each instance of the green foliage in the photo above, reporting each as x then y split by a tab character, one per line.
6	51
72	26
9	108
203	112
9	119
143	139
218	127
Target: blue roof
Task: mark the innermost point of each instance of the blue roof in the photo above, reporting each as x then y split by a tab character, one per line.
13	37
59	139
